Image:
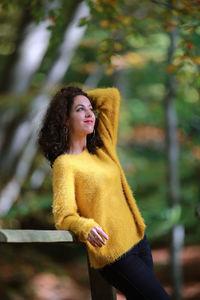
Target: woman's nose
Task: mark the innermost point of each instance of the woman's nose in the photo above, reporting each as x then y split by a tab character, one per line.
89	112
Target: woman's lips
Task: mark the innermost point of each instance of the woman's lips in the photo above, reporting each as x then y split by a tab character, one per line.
89	122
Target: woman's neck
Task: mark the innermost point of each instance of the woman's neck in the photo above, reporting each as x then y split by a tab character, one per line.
77	145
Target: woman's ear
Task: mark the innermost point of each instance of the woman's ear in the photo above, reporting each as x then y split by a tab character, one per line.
67	123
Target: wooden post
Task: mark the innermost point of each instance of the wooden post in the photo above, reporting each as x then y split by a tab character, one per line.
100	289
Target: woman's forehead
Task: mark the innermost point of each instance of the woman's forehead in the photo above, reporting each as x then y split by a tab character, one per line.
81	99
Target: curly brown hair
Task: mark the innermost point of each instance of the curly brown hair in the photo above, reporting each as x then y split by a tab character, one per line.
53	139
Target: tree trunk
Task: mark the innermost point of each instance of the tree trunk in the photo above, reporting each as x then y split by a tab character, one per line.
11	60
172	153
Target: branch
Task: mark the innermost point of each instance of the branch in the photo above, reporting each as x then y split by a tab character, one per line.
164	4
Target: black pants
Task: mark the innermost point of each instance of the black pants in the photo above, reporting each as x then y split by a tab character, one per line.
133	274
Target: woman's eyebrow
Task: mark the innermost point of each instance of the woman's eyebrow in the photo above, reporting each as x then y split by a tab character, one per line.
82	105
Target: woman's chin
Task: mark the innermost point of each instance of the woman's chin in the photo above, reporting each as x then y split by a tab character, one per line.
90	132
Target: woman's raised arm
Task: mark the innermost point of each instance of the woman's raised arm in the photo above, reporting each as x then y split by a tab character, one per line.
107	102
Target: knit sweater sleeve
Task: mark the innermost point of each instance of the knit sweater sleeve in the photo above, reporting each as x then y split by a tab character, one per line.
65	211
107	102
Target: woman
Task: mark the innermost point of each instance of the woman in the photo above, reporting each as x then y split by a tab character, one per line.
91	195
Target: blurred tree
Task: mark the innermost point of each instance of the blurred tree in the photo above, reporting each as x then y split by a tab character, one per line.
26	148
172	151
122	20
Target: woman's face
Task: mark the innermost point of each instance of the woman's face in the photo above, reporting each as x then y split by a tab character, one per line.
81	119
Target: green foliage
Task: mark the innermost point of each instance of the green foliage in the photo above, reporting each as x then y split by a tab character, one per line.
118	21
36	8
31	205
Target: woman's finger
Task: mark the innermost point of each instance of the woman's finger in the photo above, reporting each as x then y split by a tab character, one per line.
100	238
94	242
97	236
100	230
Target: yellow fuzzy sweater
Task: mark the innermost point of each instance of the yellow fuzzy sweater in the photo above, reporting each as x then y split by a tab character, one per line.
91	189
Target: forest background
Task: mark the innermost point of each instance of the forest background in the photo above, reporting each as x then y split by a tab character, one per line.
149	50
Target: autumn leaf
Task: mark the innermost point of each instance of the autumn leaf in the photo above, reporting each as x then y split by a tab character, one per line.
104	23
189	45
196	59
171	68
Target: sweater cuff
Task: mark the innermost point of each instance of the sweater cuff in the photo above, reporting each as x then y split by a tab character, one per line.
86	227
79	225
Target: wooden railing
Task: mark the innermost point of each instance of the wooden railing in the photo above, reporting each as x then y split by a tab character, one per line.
100	289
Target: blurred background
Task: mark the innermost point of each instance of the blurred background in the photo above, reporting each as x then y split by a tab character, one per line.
149	50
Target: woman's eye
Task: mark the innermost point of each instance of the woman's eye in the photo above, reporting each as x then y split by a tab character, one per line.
82	108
